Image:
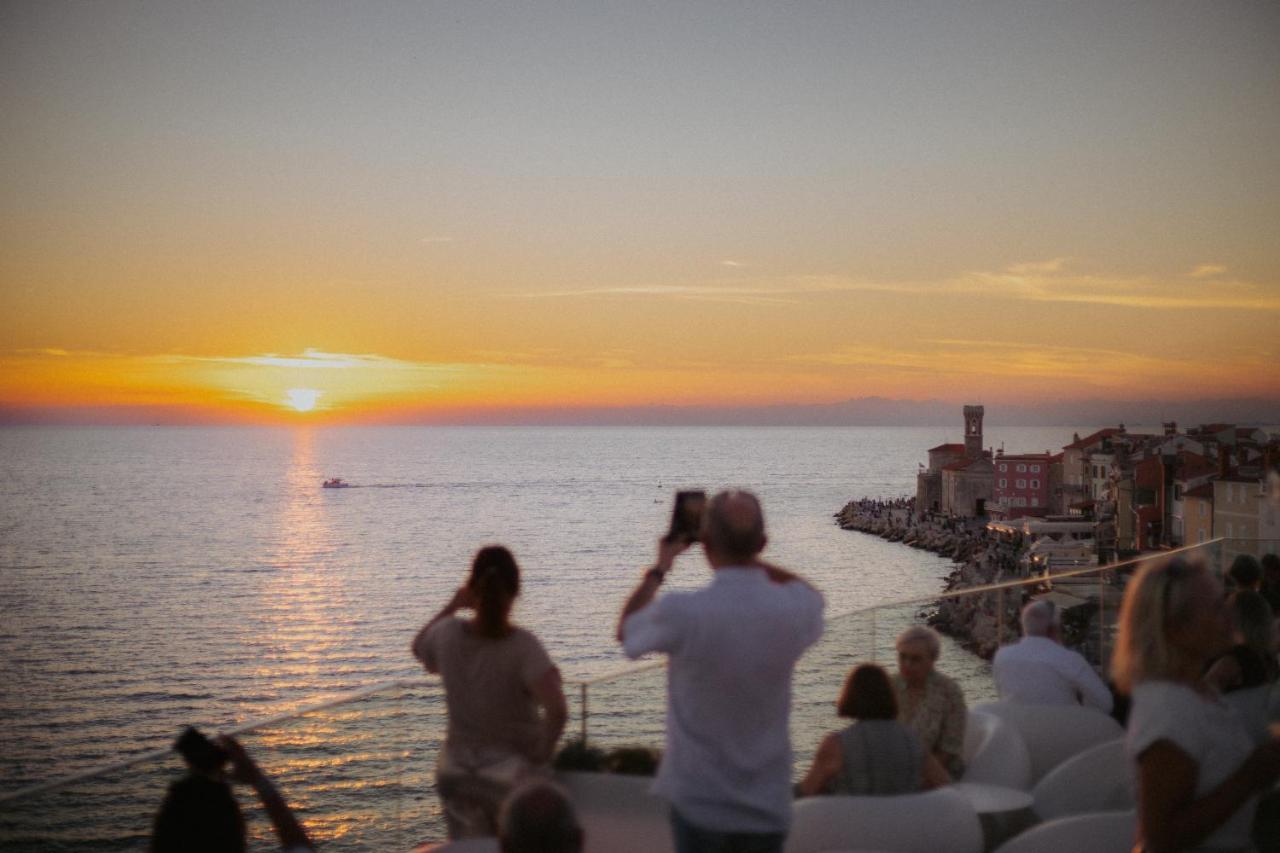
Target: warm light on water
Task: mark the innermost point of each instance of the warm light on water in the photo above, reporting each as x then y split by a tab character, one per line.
154	578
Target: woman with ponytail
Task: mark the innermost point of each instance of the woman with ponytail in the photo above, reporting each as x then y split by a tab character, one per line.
506	704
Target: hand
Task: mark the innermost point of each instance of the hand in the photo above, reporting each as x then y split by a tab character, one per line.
462	599
243	768
668	550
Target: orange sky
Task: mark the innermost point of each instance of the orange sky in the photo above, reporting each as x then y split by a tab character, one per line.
240	213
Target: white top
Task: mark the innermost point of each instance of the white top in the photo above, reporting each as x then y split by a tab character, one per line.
733	645
1038	671
1209	732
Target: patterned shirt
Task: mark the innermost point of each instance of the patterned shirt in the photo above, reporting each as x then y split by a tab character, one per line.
937	715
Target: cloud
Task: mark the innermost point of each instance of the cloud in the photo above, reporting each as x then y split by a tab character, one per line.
1207	271
734	264
1008	360
701	293
1039	267
1040	281
311	359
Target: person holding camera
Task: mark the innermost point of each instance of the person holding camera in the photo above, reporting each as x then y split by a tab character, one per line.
200	814
732	648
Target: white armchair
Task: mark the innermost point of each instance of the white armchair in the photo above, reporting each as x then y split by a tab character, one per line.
927	822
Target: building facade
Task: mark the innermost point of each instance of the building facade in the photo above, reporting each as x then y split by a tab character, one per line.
1021	484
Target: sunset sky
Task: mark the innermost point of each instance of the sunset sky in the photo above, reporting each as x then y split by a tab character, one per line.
396	211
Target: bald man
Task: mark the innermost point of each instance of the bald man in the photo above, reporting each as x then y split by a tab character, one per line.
732	648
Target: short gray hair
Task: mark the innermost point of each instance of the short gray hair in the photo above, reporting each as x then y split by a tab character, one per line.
538	818
921	634
1039	617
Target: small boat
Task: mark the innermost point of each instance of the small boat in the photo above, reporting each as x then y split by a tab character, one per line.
336	483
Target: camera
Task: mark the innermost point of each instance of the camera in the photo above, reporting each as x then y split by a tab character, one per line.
686	516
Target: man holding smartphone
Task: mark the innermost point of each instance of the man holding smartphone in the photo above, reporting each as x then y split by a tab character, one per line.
733	646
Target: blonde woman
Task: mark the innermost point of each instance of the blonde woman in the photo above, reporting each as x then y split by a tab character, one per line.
1198	771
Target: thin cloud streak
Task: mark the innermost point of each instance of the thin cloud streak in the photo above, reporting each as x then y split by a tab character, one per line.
1207	271
1043	281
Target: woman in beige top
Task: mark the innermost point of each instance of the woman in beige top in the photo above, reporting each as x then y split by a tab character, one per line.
505	700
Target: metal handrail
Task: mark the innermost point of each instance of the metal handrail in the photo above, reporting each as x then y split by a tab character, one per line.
253	725
583	684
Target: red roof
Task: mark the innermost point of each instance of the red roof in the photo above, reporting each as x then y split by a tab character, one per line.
959	447
1094	439
964	463
1025	457
1192	465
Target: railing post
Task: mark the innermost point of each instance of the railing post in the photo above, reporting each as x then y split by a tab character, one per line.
874	658
1102	622
583	705
1000	617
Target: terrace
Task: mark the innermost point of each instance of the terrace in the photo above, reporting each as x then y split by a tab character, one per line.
358	768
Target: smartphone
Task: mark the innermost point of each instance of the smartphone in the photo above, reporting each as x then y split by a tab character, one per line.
686	516
200	752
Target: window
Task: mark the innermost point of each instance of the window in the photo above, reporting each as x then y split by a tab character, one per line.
1230	532
1035	469
1035	484
1203	511
1004	484
1021	468
1003	467
1201	539
1022	484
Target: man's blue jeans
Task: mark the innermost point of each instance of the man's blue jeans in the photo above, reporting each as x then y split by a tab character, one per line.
694	839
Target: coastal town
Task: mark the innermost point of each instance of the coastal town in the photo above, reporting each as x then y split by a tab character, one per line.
1109	496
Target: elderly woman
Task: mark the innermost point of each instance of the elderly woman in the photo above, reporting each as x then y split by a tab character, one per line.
876	755
1198	771
929	703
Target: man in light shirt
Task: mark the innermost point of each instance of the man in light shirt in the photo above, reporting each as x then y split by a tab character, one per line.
733	645
1038	671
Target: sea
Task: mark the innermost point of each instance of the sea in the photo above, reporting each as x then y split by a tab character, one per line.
155	577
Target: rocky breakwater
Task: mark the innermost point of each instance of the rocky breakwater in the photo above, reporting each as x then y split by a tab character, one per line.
980	622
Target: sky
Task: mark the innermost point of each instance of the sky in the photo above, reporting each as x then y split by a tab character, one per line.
408	212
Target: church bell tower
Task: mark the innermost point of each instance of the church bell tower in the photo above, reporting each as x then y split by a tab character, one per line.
973	431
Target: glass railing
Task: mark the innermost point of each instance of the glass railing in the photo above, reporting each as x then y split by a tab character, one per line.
359	769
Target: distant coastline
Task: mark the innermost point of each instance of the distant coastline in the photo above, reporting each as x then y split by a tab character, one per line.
859	412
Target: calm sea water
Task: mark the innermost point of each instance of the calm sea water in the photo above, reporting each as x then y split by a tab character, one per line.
155	577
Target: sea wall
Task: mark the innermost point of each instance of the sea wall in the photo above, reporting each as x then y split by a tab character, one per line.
978	622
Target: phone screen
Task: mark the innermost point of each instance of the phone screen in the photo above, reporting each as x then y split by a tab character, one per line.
686	516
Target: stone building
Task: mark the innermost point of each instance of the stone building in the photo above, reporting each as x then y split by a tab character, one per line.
959	478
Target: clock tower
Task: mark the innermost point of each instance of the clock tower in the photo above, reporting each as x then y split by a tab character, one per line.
973	431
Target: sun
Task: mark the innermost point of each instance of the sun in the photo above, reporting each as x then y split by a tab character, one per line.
301	399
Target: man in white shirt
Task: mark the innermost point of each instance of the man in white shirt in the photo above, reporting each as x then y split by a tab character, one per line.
733	645
1038	671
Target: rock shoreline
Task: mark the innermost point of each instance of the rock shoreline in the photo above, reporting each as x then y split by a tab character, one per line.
980	622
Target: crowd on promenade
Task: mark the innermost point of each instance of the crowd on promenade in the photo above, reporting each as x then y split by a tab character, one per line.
732	647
